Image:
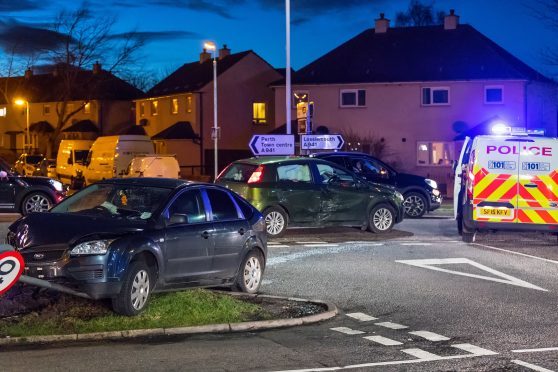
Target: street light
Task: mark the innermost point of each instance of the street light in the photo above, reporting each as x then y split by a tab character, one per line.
215	134
21	102
288	66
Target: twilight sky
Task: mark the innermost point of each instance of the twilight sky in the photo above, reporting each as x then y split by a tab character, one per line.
176	29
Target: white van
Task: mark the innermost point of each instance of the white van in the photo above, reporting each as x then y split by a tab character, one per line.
154	166
70	162
110	156
506	183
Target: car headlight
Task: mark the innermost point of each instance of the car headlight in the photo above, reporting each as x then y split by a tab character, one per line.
91	247
431	183
399	196
57	185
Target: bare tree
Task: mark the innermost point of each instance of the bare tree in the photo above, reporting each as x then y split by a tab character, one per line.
419	14
547	12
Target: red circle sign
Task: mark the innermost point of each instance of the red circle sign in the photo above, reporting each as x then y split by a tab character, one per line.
11	268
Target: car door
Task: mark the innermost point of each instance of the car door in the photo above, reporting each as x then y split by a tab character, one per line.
372	170
230	232
7	192
342	199
189	239
297	191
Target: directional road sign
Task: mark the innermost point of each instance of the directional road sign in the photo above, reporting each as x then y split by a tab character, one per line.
277	144
321	141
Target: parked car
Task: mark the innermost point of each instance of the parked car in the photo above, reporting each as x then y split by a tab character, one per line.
27	165
302	191
126	238
154	166
27	194
421	194
46	168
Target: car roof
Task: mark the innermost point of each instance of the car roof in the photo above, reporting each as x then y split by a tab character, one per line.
168	183
269	159
340	153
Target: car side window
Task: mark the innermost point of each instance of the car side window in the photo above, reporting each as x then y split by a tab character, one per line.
222	206
331	175
294	173
189	204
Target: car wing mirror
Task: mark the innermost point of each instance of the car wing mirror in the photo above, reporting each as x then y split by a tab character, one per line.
178	218
70	160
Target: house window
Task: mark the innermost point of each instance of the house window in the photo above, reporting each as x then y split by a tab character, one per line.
258	109
174	106
46	109
435	96
154	107
352	97
435	153
493	94
3	111
70	107
142	108
87	108
189	104
300	96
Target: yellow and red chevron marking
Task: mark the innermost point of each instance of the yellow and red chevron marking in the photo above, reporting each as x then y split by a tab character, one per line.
537	216
496	188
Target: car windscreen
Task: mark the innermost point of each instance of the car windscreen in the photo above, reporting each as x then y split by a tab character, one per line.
238	172
81	155
34	159
132	201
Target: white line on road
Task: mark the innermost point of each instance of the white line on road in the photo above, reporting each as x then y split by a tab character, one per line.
278	246
303	254
361	316
421	354
347	330
391	325
321	245
430	336
418	243
475	350
517	253
311	242
534	367
383	340
535	350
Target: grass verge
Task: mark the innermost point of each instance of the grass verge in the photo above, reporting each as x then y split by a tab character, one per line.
69	315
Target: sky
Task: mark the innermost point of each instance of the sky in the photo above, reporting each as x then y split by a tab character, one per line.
175	30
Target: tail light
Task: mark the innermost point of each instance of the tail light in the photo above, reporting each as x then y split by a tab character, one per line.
257	175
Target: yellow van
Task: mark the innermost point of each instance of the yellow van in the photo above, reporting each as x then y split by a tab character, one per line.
165	166
70	161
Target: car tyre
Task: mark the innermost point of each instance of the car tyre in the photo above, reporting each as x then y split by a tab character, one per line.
276	221
35	202
415	205
251	271
136	290
467	235
381	219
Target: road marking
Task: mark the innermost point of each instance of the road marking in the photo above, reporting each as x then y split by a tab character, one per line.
347	330
311	242
416	243
430	336
475	350
304	254
361	316
534	367
517	253
421	354
507	279
383	340
535	350
321	245
279	246
391	325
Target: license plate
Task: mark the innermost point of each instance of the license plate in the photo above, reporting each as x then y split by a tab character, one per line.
495	212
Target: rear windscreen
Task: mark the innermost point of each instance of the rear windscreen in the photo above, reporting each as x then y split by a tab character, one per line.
238	172
34	159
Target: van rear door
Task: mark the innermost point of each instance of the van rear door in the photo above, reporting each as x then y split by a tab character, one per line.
494	177
538	181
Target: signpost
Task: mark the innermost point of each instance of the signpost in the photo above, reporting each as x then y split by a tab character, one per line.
277	144
321	142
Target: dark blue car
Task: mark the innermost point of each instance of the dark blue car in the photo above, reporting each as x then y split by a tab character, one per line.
125	238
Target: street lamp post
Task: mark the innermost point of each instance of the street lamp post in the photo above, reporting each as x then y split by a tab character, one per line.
211	46
288	66
21	102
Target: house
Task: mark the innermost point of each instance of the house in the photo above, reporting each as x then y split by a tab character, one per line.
177	113
411	90
102	103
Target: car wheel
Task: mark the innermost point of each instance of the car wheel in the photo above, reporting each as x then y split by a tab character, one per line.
35	202
381	218
251	271
415	205
467	235
135	291
275	221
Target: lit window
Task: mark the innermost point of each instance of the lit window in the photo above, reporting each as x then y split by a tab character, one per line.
142	108
189	103
174	106
352	98
46	109
154	107
3	111
435	153
87	108
493	94
435	96
70	107
259	113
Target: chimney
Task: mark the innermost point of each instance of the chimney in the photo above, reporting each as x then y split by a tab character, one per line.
97	67
28	73
204	56
451	21
224	51
382	25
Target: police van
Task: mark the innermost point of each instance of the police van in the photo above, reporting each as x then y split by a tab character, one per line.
506	182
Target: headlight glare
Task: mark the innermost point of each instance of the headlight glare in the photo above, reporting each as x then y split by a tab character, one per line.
91	247
431	183
57	185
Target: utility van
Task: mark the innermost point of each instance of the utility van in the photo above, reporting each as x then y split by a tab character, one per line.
154	166
506	182
110	156
70	161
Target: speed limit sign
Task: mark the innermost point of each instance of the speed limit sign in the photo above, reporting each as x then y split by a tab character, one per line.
11	268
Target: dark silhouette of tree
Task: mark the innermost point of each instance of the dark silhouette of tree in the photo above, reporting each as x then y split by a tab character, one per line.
547	12
419	14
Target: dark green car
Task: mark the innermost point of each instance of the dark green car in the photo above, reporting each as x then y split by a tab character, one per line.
299	191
